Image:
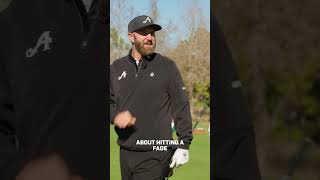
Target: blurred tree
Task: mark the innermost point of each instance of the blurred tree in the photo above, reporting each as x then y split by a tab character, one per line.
121	13
163	36
193	58
118	46
191	55
275	44
4	4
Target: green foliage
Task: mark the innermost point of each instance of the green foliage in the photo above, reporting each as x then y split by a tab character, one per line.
118	46
202	94
192	56
116	39
282	49
201	98
276	47
292	133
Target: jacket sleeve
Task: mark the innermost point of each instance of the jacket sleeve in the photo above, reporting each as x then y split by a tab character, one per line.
11	156
8	139
113	104
180	107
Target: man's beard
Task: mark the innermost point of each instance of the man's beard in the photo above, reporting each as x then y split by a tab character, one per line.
145	51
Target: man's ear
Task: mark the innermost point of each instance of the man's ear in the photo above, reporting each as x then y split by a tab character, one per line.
130	36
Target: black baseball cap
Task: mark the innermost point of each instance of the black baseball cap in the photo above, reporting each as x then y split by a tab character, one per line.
141	22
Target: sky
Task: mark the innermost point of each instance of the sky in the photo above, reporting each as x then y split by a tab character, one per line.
170	10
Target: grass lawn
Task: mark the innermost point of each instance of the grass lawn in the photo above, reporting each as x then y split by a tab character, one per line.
198	167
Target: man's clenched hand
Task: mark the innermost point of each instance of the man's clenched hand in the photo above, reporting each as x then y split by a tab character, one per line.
124	119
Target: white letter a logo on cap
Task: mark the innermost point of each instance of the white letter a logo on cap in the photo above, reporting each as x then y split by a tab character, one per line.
148	19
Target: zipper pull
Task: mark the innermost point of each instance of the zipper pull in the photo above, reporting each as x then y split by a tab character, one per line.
84	46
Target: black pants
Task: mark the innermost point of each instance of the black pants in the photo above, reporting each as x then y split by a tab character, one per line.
149	165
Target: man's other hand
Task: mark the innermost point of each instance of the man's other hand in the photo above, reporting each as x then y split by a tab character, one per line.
180	157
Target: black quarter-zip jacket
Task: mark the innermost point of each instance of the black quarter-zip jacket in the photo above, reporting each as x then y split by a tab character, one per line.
155	94
53	60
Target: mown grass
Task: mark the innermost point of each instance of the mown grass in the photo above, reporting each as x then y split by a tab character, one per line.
198	168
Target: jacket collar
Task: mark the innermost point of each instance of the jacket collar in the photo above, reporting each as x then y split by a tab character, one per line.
143	58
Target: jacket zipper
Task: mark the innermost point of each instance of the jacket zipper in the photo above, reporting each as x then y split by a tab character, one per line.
86	24
137	69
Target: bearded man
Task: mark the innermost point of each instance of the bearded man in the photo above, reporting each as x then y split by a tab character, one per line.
146	94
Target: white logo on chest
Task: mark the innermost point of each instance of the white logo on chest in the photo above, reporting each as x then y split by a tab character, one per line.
44	40
122	76
236	84
151	74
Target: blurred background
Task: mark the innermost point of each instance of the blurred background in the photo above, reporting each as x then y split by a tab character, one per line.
275	45
184	38
4	4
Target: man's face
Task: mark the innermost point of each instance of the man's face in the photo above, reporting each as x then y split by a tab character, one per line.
144	41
